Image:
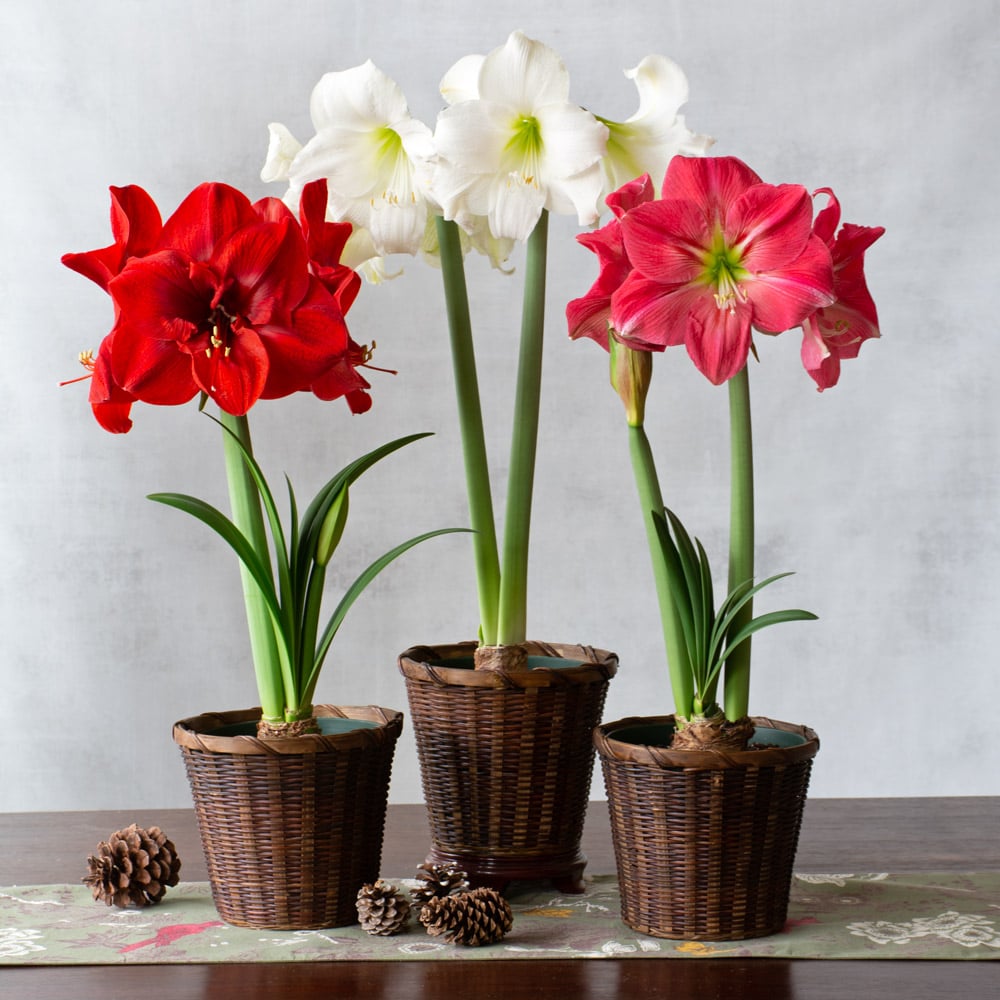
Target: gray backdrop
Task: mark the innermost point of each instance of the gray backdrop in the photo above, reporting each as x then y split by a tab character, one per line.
119	616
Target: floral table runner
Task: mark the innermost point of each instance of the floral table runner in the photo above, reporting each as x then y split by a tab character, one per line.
848	916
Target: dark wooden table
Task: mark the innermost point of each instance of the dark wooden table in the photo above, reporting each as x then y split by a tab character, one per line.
839	835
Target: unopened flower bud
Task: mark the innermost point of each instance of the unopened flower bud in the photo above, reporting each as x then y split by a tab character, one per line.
631	372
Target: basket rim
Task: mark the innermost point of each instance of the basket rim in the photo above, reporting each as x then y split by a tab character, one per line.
195	733
597	665
610	748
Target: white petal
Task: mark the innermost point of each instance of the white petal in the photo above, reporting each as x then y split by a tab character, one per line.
662	86
646	142
515	207
580	193
524	74
572	140
473	135
358	98
461	82
397	228
282	148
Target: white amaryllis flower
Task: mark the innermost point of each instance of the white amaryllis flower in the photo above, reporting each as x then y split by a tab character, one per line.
511	144
374	157
646	142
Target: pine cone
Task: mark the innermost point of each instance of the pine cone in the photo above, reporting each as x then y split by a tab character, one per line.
481	916
133	866
437	881
381	909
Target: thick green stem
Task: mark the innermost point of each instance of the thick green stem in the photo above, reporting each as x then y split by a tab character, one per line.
517	521
736	687
470	418
651	499
248	517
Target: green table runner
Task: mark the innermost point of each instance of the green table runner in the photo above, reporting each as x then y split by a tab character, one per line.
923	916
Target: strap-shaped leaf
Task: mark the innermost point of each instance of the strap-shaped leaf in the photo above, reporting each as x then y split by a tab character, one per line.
312	520
233	537
731	607
771	618
678	588
355	590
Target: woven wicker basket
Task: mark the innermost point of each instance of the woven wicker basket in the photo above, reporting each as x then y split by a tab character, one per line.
704	841
506	759
291	828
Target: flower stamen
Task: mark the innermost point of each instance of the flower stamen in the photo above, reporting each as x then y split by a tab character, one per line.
88	360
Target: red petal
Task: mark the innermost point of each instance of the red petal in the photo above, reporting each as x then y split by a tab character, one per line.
159	311
209	214
304	352
266	271
135	225
326	240
110	402
235	381
272	210
344	380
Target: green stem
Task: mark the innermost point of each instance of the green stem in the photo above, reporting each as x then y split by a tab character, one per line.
470	418
736	687
248	517
651	499
512	627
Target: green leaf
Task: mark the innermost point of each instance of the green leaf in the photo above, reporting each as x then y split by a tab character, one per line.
677	585
730	608
771	618
332	528
354	592
233	537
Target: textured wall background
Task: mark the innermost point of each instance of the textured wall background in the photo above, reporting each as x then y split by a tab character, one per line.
119	616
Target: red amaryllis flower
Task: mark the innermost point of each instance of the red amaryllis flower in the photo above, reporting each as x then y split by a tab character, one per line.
590	315
223	299
228	307
718	254
837	331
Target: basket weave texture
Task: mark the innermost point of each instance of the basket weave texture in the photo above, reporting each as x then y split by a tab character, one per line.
291	828
705	841
506	759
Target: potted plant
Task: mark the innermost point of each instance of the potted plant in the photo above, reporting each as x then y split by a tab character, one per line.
502	722
706	803
235	302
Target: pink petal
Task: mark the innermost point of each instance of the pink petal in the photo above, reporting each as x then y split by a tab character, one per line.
718	340
650	316
782	299
667	240
628	196
822	365
770	225
711	182
828	219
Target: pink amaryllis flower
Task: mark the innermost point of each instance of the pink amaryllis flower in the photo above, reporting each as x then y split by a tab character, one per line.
227	298
590	315
835	332
718	254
